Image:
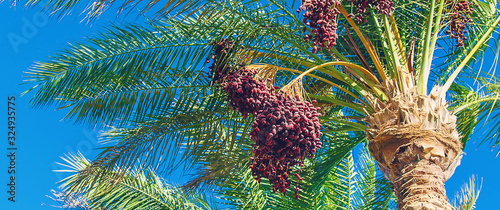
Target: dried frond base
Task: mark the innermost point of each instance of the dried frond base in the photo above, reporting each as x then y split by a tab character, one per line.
295	88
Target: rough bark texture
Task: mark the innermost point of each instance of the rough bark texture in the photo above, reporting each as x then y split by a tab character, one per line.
421	186
414	140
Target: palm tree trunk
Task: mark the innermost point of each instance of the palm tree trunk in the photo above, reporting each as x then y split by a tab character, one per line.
417	162
414	140
419	184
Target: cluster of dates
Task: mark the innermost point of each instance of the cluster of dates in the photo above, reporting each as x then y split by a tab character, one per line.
285	132
246	94
286	129
383	6
321	17
458	19
221	55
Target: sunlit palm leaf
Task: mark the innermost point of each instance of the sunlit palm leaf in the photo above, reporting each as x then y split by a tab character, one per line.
68	201
136	189
184	129
467	197
475	107
123	72
95	8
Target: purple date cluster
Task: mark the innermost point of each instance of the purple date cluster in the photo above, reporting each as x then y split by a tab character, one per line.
458	19
321	17
383	6
285	132
221	55
246	94
286	129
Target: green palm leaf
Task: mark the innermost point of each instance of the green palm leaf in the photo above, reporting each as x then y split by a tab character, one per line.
467	197
136	189
474	107
124	72
95	8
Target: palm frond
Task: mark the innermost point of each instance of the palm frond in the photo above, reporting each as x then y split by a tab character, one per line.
95	8
158	141
216	161
136	189
362	186
68	201
340	186
473	107
124	71
338	147
467	197
375	190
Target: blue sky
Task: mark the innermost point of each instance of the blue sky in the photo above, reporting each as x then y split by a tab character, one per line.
43	136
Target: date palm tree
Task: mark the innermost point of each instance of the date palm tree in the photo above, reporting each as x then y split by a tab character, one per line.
149	85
